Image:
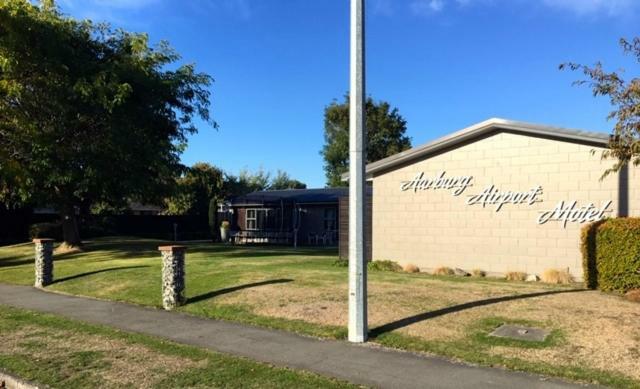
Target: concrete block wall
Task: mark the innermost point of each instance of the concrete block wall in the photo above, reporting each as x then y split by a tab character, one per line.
433	228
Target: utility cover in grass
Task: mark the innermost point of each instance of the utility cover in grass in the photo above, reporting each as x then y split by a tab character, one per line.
520	333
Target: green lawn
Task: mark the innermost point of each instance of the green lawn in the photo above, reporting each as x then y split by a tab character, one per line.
130	271
304	291
67	354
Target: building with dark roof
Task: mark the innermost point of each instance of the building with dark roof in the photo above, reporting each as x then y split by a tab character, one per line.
291	216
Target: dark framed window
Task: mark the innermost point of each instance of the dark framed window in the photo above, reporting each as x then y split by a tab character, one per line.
330	219
262	219
252	219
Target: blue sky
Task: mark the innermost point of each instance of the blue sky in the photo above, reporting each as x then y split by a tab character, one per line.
445	64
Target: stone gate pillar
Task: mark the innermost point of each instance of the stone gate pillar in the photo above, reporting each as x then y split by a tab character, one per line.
44	262
172	276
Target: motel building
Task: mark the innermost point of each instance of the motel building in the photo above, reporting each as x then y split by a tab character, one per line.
498	196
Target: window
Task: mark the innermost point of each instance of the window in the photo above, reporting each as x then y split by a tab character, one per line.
330	219
252	219
262	219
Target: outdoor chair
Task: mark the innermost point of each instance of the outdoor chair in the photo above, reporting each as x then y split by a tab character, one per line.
329	238
312	238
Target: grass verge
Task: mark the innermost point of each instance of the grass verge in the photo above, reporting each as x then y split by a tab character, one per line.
305	291
476	349
63	353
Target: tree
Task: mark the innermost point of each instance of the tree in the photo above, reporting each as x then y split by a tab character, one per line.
386	130
194	191
624	96
212	218
282	180
89	113
251	182
245	182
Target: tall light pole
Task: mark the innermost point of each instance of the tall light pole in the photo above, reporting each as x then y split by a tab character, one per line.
357	183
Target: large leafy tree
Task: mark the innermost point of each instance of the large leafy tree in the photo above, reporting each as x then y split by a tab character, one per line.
386	130
202	184
89	113
195	189
283	180
246	182
624	146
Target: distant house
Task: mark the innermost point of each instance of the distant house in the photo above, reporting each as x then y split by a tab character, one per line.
133	209
291	216
144	209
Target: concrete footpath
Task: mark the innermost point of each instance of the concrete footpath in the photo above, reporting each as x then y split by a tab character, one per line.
360	364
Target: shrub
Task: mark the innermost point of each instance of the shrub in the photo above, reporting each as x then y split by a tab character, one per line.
478	273
384	266
340	263
443	271
588	249
411	268
611	254
46	230
554	276
633	295
460	272
516	276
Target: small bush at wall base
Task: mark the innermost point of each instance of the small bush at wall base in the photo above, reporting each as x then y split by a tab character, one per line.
384	266
443	271
611	254
411	268
633	295
516	276
554	276
588	249
478	273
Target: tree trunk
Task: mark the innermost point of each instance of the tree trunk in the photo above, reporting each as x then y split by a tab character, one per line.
70	233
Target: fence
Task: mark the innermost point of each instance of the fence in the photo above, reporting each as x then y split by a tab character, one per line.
14	226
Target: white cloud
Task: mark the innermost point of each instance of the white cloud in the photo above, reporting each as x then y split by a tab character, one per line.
241	9
108	4
382	7
426	6
121	13
125	4
127	12
608	8
594	7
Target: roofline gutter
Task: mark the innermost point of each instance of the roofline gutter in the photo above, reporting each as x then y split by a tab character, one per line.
478	130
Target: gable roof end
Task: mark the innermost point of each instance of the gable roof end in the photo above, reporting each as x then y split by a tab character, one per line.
483	128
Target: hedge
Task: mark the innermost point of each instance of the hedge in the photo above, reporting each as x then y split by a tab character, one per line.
611	254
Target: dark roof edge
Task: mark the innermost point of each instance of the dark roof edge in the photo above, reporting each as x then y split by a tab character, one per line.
479	129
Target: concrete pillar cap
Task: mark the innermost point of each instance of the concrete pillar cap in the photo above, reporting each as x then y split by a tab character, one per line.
172	248
43	240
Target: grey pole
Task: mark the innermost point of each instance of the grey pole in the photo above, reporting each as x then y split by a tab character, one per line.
357	183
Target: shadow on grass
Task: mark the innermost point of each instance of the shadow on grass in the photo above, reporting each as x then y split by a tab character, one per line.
145	248
407	321
138	248
96	272
219	292
19	260
15	261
